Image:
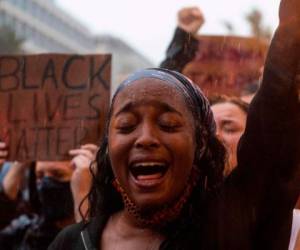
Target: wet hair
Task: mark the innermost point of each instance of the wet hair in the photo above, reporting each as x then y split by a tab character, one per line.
215	99
209	158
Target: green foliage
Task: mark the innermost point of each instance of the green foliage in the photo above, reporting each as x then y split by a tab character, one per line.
258	29
255	20
9	43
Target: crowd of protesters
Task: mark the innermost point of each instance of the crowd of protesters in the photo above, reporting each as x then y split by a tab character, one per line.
239	206
39	199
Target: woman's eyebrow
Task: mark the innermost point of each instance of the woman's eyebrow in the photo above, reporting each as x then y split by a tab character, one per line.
167	108
126	108
162	105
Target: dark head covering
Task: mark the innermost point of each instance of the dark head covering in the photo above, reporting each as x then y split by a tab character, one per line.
209	154
209	159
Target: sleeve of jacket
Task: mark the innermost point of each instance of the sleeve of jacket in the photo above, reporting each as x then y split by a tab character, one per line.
269	150
69	238
181	51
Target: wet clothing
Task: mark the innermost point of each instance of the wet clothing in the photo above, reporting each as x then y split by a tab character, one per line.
25	203
79	236
181	51
253	208
28	232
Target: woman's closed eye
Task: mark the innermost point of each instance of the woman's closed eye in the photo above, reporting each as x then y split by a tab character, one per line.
125	123
170	122
231	128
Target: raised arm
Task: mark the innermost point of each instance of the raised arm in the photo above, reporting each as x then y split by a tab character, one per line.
270	145
184	44
269	151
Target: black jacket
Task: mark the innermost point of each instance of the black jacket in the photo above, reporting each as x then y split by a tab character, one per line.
181	51
28	232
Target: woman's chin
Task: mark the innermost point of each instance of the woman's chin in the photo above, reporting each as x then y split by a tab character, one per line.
148	204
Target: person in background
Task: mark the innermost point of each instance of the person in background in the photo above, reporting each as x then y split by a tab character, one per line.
184	44
8	201
159	181
59	188
230	114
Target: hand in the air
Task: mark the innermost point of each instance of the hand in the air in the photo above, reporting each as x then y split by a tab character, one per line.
190	19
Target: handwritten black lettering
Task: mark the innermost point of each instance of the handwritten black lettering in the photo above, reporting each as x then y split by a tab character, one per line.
22	146
51	111
71	104
49	73
5	84
94	107
66	71
11	109
25	83
98	73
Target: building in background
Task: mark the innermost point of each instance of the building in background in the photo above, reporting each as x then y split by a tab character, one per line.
125	59
44	27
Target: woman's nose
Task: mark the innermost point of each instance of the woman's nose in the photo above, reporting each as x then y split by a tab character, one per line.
148	137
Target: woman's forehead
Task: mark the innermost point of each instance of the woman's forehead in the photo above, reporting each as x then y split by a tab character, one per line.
53	165
149	89
146	83
228	109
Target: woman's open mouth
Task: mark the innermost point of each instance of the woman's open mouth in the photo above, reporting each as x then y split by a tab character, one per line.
148	174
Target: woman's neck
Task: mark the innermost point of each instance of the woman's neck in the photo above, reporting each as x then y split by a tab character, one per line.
128	225
124	232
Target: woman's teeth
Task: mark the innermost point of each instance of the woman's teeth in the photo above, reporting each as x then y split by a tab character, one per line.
148	170
148	164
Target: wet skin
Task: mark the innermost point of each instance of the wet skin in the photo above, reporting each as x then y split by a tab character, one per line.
151	142
58	170
231	122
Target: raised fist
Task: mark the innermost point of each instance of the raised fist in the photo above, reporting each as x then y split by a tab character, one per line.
190	19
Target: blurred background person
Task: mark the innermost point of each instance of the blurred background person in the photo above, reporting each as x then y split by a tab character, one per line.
56	190
184	44
230	114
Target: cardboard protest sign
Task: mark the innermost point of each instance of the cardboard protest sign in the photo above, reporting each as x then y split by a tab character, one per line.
52	103
225	64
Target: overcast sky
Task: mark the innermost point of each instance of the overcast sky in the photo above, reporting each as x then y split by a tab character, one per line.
148	25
